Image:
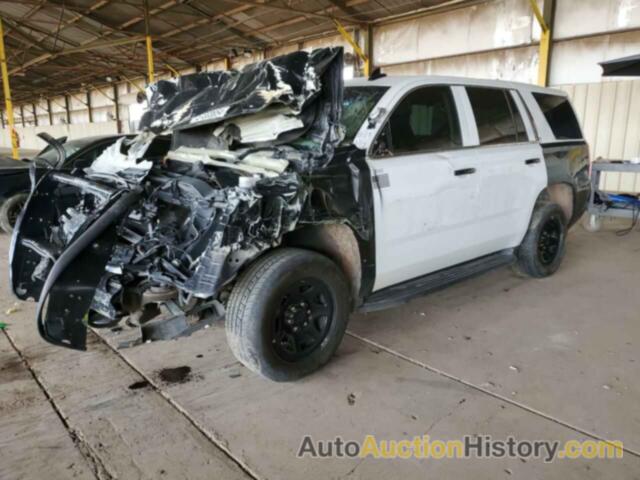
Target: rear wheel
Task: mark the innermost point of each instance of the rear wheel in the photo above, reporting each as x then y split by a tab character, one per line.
543	247
10	211
287	314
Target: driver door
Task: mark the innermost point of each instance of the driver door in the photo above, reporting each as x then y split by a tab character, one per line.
425	188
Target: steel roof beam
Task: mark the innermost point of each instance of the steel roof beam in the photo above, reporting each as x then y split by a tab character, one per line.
312	14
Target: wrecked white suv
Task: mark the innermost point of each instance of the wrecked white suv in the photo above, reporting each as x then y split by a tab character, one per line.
287	200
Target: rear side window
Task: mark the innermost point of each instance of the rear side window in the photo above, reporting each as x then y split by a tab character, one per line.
425	120
497	117
560	116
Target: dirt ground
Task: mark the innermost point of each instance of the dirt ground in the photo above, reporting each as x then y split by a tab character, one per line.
500	355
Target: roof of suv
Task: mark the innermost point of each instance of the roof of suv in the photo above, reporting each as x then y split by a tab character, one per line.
400	81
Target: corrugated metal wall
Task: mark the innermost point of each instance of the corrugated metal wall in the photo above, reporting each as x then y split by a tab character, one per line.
489	40
497	40
609	114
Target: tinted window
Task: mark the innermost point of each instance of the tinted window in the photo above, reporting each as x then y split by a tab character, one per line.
560	116
497	118
357	103
425	120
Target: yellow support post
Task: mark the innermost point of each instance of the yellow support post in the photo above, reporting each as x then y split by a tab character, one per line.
149	59
15	153
149	42
227	63
545	44
172	70
356	48
545	48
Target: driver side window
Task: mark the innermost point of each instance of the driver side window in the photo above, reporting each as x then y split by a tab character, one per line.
425	120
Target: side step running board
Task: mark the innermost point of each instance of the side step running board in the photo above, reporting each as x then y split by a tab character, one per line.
403	292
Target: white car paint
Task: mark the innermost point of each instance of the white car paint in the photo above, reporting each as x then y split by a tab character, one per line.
427	218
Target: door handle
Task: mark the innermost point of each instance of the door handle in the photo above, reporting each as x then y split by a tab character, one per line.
532	161
464	171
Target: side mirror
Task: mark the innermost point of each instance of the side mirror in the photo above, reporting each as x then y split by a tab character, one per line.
375	117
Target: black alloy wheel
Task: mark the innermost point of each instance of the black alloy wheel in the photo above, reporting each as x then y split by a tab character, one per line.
542	249
287	313
303	320
549	241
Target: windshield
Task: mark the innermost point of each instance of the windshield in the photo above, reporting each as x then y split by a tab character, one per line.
70	147
357	103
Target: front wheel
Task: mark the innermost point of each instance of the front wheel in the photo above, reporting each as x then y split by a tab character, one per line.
543	247
287	314
10	211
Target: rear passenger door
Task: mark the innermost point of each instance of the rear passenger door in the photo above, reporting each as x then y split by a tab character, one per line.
426	192
510	167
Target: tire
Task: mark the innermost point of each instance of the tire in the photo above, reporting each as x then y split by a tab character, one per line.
10	210
286	291
543	247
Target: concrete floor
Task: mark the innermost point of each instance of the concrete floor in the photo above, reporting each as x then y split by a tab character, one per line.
552	359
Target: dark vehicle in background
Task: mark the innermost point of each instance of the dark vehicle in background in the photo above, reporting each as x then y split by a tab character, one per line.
14	174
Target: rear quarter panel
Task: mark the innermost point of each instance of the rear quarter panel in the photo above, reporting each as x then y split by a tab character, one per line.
566	161
569	163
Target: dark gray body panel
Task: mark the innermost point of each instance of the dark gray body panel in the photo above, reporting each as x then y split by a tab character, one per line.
568	163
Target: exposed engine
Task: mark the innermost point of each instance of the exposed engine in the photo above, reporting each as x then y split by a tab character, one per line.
148	235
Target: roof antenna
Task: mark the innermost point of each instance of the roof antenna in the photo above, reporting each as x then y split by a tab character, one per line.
376	74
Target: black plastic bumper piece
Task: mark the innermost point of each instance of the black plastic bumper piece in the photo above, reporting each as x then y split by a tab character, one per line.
68	291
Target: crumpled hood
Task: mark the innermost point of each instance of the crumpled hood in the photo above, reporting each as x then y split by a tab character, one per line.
304	85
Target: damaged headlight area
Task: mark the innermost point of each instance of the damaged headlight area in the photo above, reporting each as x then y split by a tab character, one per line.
153	237
188	237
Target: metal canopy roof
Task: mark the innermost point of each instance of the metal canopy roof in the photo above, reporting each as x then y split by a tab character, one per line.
47	40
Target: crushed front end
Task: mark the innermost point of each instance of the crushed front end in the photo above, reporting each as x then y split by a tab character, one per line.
156	238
